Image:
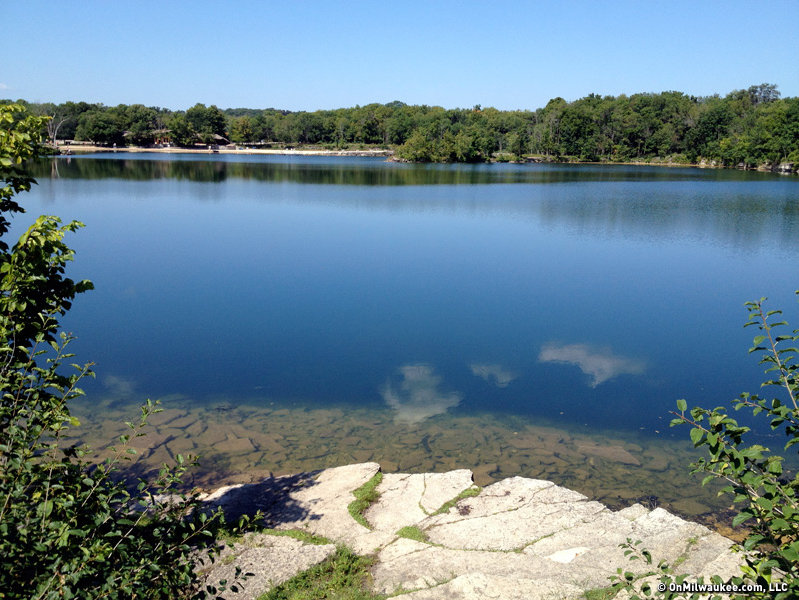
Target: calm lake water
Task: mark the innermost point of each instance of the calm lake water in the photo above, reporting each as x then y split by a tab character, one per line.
493	317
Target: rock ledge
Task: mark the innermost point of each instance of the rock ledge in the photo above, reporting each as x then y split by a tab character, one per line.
517	538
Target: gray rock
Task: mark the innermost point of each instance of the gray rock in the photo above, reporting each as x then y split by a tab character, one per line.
408	499
509	515
271	560
519	538
479	585
316	502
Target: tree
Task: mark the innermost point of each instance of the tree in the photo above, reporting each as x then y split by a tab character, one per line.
712	125
71	529
399	125
207	122
552	114
140	123
71	111
417	148
242	130
57	117
465	148
181	131
100	127
763	93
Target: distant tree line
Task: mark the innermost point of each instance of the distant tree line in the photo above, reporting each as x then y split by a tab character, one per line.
749	127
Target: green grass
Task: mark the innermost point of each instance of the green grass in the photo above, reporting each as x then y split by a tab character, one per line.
413	533
298	534
467	493
600	594
343	576
365	496
230	538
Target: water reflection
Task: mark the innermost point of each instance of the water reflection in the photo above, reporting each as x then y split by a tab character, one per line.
359	171
742	208
600	364
417	397
493	373
122	388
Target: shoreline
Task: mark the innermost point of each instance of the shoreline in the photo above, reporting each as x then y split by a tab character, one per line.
384	153
243	442
91	149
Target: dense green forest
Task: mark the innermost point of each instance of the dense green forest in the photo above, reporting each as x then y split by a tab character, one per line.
751	128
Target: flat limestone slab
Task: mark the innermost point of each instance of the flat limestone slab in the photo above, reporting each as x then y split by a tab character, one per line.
509	515
315	502
518	538
271	559
524	530
480	585
408	499
417	566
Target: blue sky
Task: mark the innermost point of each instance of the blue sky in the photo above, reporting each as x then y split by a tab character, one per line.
303	55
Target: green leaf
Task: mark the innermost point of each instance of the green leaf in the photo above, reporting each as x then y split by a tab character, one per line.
764	503
774	467
780	525
696	436
682	406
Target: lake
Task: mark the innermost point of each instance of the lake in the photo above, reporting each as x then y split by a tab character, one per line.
538	320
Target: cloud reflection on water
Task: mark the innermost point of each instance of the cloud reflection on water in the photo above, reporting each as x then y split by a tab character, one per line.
417	397
598	363
119	388
493	373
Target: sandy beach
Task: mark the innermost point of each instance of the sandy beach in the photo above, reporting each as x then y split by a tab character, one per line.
87	148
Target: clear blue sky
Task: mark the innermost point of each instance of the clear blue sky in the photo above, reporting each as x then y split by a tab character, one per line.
304	55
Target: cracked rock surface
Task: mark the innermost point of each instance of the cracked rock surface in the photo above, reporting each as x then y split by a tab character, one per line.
517	538
271	560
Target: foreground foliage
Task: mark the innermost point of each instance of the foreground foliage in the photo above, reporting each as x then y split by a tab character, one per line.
765	489
69	529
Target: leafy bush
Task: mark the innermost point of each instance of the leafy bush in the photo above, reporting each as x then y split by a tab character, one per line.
69	529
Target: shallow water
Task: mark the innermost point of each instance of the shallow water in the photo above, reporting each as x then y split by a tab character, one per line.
536	320
256	438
